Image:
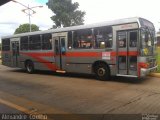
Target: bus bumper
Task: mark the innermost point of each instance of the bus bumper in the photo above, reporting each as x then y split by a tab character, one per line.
145	72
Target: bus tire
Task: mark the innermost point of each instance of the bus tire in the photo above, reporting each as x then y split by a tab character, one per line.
102	72
29	67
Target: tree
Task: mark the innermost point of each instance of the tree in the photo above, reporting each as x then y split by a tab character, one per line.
66	13
26	28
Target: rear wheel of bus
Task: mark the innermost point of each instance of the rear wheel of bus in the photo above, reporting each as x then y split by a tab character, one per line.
102	72
29	66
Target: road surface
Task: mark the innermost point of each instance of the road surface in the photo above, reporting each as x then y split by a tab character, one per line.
51	93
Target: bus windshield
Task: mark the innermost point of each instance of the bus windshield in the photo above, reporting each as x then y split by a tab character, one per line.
147	42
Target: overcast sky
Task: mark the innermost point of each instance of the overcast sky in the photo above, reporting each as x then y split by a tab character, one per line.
96	11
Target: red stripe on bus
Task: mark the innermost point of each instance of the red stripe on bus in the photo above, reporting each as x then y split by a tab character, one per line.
123	53
80	54
51	66
133	53
37	56
48	54
99	54
83	54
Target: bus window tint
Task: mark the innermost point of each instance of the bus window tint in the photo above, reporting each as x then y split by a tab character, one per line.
35	42
122	39
82	39
24	43
103	37
5	44
133	39
47	42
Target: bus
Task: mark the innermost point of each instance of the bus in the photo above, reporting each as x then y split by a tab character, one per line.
124	47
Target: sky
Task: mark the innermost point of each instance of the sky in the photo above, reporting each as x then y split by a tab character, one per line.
96	11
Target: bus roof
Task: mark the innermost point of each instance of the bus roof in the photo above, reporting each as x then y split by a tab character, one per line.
109	23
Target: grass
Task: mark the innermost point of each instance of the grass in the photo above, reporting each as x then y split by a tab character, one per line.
158	58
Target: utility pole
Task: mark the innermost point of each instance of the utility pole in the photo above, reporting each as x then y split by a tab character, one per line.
29	11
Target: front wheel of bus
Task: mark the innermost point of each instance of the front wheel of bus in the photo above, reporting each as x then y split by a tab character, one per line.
102	72
30	67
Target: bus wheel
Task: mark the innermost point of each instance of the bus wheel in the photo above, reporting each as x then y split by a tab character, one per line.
102	72
29	67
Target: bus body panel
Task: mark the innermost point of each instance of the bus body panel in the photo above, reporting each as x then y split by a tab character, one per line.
123	57
6	58
42	59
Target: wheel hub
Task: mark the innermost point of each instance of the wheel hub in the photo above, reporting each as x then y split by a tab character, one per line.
101	72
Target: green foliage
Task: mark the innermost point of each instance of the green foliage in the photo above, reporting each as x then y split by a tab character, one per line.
66	13
158	58
26	28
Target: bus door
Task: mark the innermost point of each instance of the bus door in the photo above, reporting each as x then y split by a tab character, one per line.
15	51
127	52
60	50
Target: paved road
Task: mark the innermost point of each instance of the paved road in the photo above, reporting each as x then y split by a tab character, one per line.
4	109
47	92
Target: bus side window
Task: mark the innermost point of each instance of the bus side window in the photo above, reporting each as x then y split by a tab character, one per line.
46	41
103	37
35	42
83	39
24	43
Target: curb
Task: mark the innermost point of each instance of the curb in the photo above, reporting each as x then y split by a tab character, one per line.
155	75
